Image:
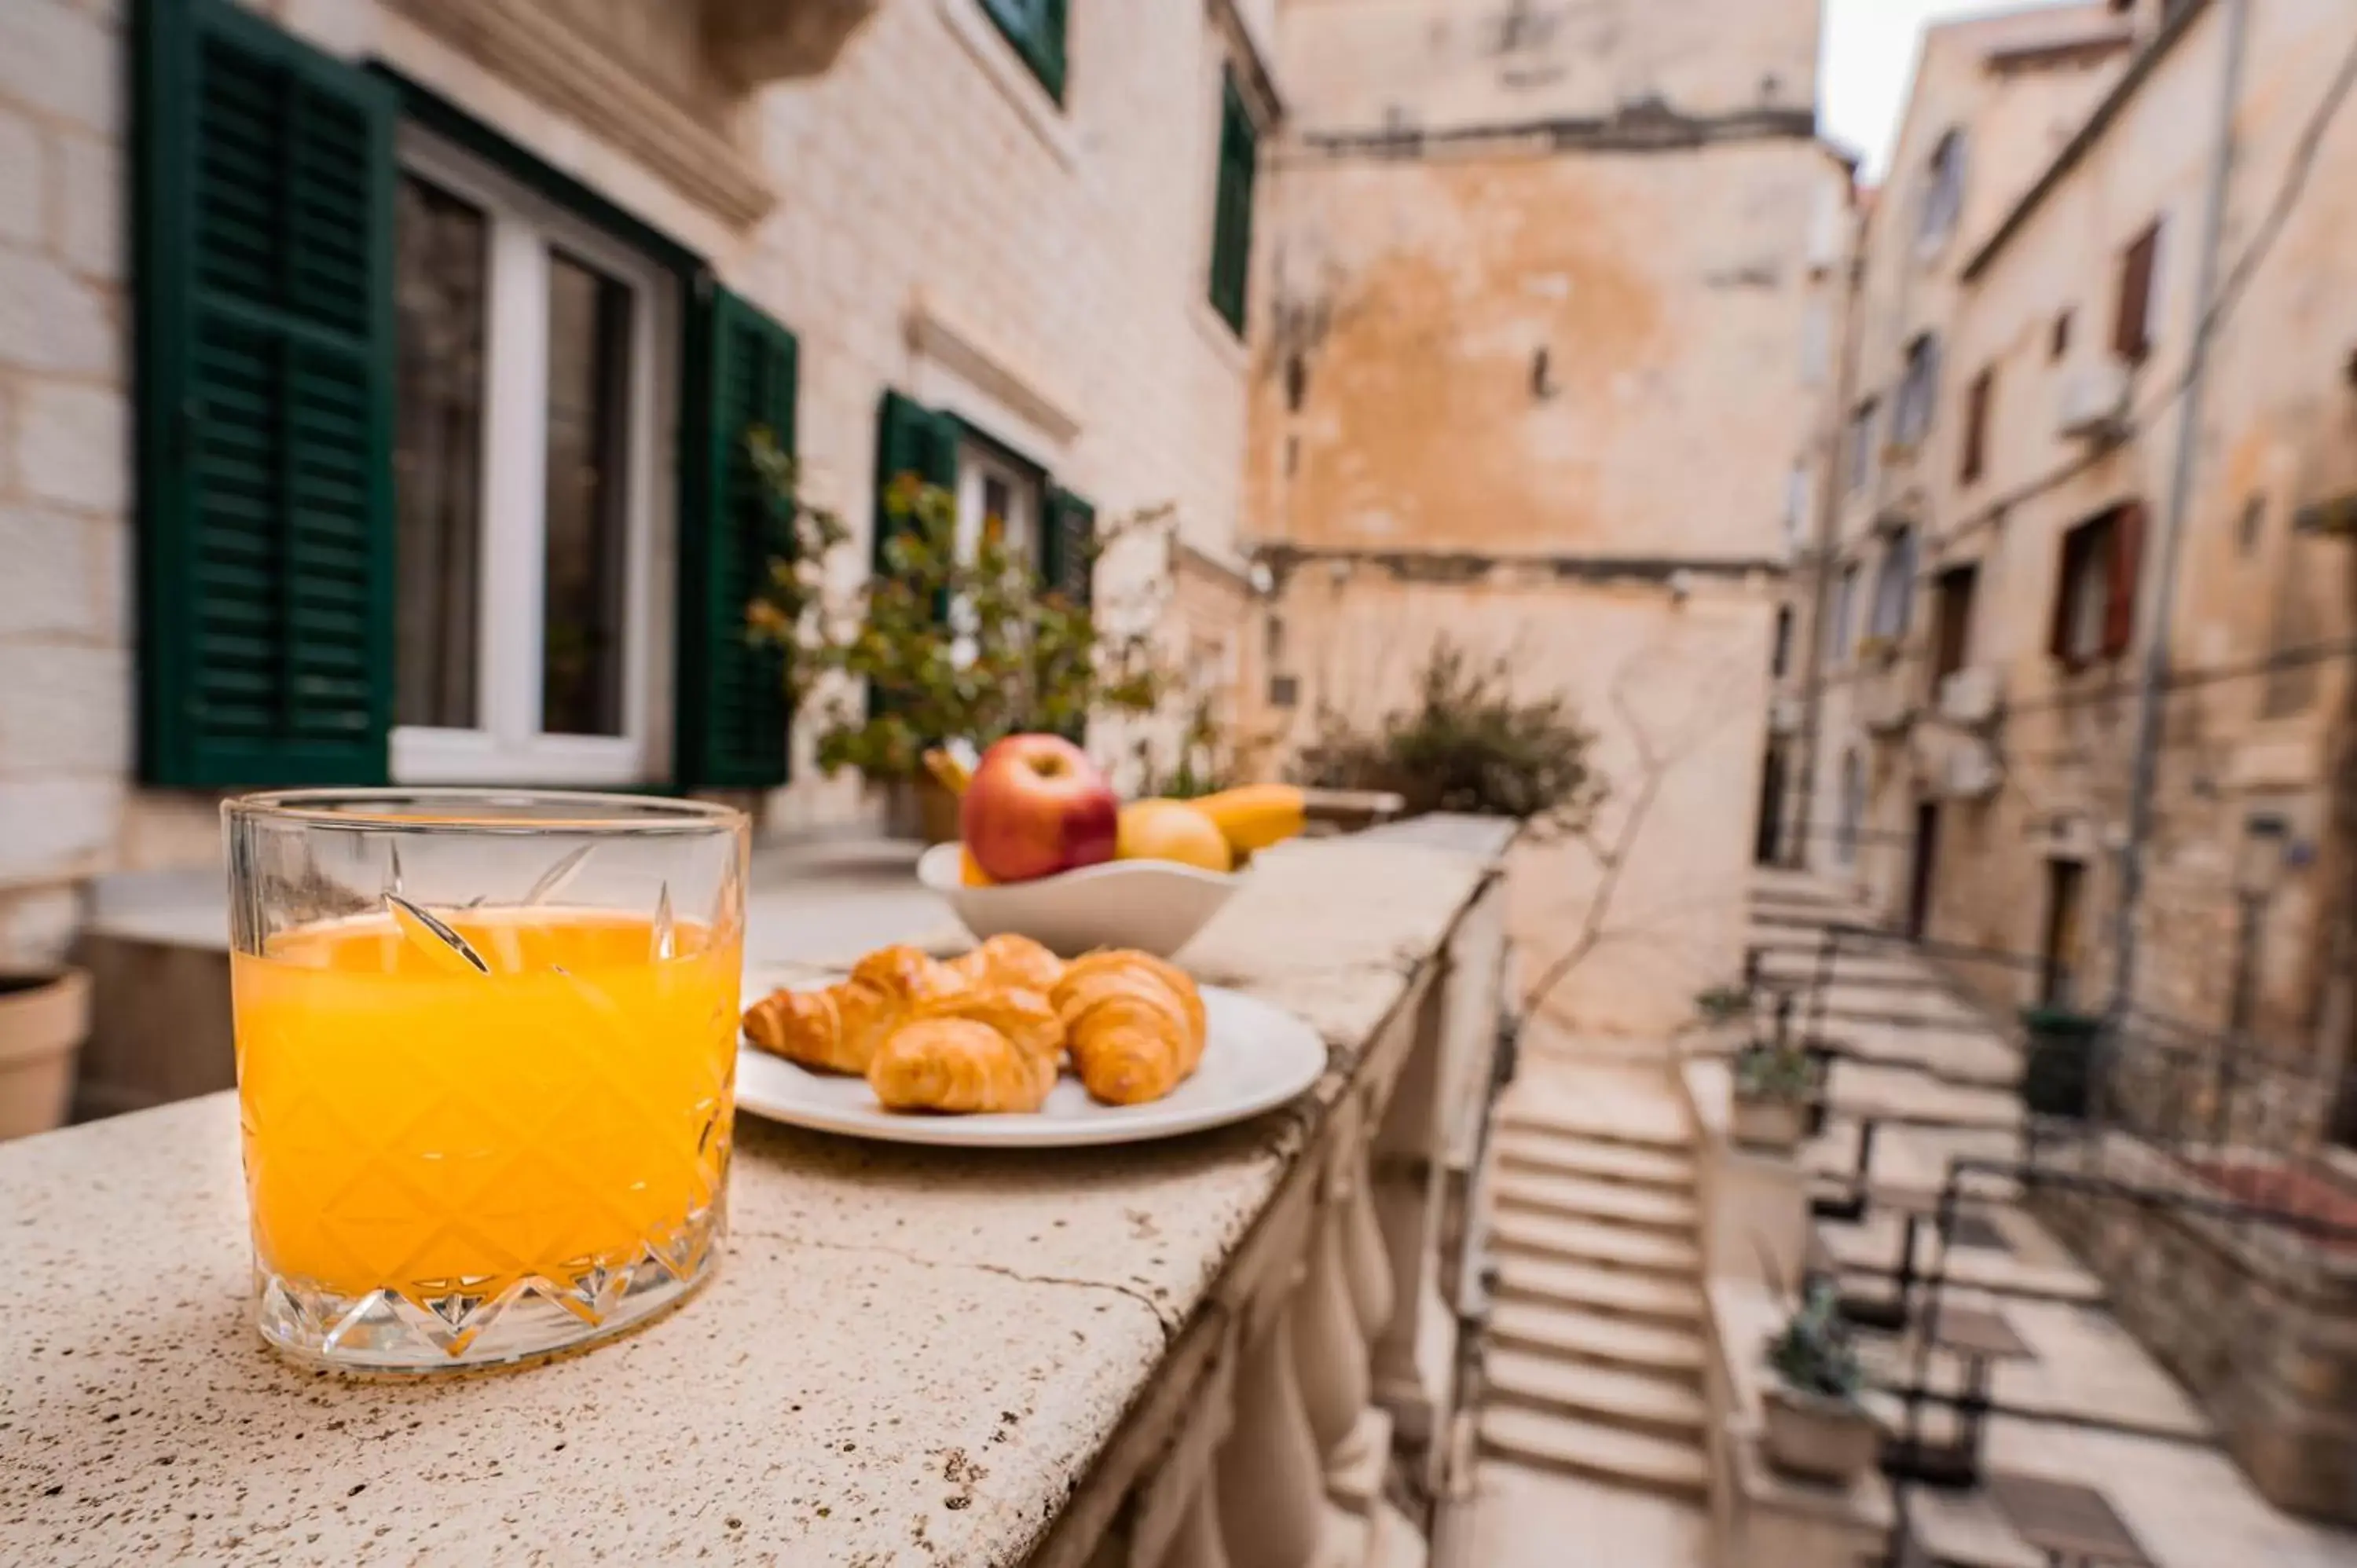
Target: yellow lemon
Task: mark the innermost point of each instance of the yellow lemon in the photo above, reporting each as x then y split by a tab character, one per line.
1172	830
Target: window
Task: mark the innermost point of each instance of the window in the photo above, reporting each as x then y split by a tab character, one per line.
1859	465
1943	194
1837	631
1951	630
1232	213
413	493
2061	345
1894	588
2095	601
528	492
1036	28
1780	659
1976	421
1918	391
2140	300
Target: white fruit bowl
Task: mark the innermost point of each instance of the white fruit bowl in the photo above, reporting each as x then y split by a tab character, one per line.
1154	906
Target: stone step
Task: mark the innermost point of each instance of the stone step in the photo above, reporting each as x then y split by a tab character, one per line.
1654	1407
1625	1164
1605	1202
1568	1334
1598	1453
1659	1129
1613	1292
1518	1229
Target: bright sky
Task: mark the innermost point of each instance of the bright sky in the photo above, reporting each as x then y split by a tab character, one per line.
1870	56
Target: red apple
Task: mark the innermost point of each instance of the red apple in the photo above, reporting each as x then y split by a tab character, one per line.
1037	806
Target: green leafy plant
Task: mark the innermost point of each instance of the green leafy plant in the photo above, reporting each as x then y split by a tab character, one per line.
944	643
1815	1353
1775	1072
1466	744
1720	1005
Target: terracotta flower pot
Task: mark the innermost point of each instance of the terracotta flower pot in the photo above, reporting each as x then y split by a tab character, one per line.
1772	1125
44	1014
1819	1438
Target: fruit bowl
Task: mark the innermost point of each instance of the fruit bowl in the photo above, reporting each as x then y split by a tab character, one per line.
1154	906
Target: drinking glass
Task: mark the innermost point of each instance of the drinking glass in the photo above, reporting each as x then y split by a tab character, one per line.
485	1065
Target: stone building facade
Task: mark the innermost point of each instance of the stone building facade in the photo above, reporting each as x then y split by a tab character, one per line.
1530	382
2031	523
1003	212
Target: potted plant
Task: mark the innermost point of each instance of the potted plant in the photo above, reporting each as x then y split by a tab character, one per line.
946	642
1776	1087
1817	1429
44	1014
2058	1067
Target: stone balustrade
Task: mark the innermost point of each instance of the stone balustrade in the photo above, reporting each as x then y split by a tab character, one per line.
1201	1353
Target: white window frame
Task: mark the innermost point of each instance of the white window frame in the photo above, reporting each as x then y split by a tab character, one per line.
1894	589
977	465
508	745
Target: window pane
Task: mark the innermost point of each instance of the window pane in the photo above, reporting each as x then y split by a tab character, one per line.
441	280
588	396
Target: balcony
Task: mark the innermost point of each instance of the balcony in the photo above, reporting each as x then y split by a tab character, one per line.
1108	1356
1887	701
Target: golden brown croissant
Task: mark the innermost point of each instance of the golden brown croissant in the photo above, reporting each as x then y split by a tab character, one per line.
838	1029
1025	1017
958	1065
1010	962
1133	1025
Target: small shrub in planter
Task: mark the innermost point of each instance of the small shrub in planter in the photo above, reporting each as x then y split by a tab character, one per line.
1817	1428
2057	1069
1776	1087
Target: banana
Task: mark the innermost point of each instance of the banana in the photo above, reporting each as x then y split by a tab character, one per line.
948	772
1257	815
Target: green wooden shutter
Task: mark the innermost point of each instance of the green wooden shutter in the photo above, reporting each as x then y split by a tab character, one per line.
1233	212
909	439
263	213
1036	28
733	718
1068	547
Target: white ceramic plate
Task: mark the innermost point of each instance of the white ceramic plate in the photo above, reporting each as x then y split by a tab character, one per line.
1154	906
1256	1057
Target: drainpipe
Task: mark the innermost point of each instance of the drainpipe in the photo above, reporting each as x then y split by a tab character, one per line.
1830	498
2152	689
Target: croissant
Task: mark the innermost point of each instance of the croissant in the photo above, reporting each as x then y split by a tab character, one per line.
1134	1025
958	1065
839	1028
1010	962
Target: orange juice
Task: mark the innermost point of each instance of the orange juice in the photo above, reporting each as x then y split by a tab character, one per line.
414	1125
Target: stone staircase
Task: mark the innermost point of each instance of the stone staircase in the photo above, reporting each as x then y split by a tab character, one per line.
1595	1352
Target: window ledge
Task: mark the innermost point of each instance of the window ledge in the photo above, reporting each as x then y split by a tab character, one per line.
940	334
1225	342
1012	78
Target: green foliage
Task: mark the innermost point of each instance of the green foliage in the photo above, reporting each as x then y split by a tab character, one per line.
1467	744
1722	1004
1775	1072
1815	1353
946	645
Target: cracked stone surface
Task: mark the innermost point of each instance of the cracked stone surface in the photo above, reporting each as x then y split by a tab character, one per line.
909	1354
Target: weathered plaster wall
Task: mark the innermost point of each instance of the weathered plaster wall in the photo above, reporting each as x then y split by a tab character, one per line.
1671	690
1542	393
1441	65
1403	403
